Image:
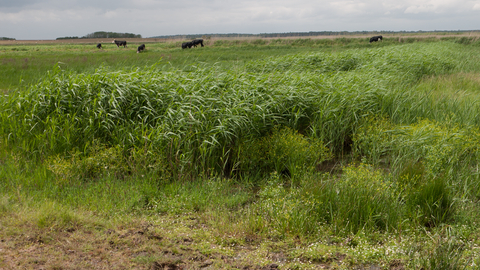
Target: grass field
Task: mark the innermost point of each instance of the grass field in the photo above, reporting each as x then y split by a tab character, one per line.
243	154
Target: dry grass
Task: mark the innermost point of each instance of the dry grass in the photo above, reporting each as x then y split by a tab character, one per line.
163	242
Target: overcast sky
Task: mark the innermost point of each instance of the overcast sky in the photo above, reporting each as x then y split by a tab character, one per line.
49	19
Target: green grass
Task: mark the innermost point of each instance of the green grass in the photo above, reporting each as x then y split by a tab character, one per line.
238	133
24	64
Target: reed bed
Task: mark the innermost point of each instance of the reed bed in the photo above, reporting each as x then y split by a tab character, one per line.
200	118
248	143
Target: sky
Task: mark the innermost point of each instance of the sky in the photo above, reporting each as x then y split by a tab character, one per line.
49	19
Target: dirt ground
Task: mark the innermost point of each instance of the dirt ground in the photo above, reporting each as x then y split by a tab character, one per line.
167	243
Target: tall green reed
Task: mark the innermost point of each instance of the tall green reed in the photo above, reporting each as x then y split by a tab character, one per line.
194	120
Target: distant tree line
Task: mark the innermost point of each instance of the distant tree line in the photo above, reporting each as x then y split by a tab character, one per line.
311	33
67	38
102	34
6	38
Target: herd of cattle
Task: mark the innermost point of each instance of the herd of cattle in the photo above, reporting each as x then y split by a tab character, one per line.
123	43
141	48
194	43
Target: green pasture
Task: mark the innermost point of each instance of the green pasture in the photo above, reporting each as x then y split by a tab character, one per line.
366	150
25	64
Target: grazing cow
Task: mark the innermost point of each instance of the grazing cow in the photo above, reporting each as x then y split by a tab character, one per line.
376	38
99	45
141	48
197	41
120	43
187	45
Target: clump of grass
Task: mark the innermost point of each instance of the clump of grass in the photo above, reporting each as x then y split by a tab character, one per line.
281	211
51	215
98	162
361	200
6	205
446	251
432	203
284	151
364	201
371	139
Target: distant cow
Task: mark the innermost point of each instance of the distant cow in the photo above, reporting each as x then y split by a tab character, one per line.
120	43
376	38
197	41
99	45
187	45
141	48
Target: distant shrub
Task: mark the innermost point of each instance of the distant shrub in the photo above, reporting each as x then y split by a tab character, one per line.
303	42
407	40
219	43
19	49
344	40
324	41
466	40
278	41
60	38
102	34
258	42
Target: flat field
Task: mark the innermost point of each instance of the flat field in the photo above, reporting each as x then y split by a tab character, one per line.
279	153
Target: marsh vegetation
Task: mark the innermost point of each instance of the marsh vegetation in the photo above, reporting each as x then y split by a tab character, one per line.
300	154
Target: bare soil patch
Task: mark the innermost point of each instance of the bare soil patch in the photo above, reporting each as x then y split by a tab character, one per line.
166	243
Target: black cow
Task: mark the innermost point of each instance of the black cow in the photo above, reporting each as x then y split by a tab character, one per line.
120	43
141	48
187	45
99	45
197	41
376	38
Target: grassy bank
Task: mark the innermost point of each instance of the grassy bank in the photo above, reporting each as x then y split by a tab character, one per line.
310	155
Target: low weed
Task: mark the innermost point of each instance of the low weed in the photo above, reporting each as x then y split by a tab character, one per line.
446	251
197	196
99	162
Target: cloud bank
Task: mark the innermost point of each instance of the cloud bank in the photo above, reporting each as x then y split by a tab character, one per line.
49	19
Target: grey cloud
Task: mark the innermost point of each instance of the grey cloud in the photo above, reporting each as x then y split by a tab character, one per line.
48	19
